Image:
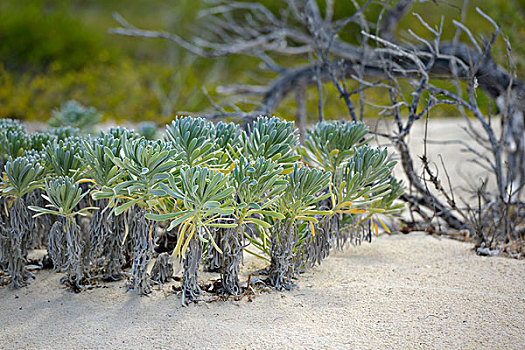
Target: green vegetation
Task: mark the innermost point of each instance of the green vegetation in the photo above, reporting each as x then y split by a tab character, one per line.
211	191
66	244
22	176
52	51
74	115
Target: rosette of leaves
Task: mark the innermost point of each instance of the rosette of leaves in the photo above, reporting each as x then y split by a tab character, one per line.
106	234
258	185
41	225
145	165
66	245
119	131
39	141
13	143
271	138
205	197
64	132
9	129
13	139
227	140
63	157
365	188
331	144
22	176
193	139
227	143
298	203
148	130
7	124
227	135
74	114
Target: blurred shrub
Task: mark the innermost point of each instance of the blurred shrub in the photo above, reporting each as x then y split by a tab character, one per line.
130	91
33	38
52	51
75	115
122	91
148	129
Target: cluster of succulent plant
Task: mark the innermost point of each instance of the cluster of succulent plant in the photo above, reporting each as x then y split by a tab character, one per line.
75	115
203	196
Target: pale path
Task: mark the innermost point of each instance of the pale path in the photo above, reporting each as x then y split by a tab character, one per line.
399	292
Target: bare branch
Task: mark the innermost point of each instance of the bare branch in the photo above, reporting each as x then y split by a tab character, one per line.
392	18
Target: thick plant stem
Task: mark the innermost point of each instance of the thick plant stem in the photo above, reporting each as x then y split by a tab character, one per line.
190	283
75	247
113	252
340	235
281	270
99	232
66	249
56	245
141	237
39	226
18	241
318	246
4	247
231	244
105	242
4	242
162	270
213	261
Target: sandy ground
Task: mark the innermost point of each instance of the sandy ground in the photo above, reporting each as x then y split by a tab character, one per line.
452	158
401	291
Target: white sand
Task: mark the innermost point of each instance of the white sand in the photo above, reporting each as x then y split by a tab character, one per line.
465	176
401	291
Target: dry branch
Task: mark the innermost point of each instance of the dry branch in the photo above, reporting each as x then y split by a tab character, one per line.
249	28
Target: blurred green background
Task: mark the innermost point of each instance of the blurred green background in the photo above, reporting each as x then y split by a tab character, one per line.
54	51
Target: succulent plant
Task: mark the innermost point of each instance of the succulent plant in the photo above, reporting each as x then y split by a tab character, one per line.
74	114
40	141
207	197
144	165
211	192
305	188
271	138
13	144
11	125
259	184
66	246
64	132
63	157
119	131
148	130
227	140
330	144
22	176
106	233
192	138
